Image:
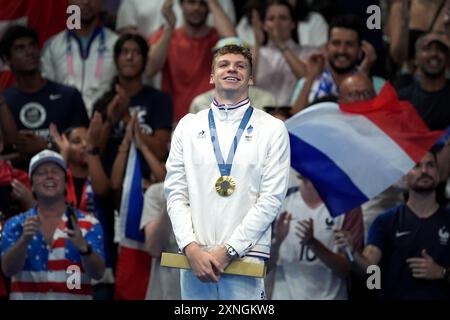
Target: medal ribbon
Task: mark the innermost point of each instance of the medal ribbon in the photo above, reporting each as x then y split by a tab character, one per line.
225	167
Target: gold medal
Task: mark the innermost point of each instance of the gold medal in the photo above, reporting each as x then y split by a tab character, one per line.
225	186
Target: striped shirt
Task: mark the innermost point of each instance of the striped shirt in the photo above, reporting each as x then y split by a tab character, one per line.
49	271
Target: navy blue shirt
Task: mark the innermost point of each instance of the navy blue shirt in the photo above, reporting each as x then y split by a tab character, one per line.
55	103
154	111
433	107
400	235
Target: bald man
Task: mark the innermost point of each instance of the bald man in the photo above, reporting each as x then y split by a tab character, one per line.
356	87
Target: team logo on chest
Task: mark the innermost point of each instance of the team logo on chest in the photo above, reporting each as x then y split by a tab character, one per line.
33	115
329	223
201	134
443	235
249	135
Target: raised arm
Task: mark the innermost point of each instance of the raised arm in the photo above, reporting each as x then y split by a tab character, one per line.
280	232
120	162
314	67
156	166
296	64
14	258
100	181
223	24
334	261
398	24
371	254
258	30
116	110
157	55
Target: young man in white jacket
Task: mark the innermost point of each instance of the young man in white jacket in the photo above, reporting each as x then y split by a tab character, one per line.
223	209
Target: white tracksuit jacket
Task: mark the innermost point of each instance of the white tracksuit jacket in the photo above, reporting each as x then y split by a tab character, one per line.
54	65
260	168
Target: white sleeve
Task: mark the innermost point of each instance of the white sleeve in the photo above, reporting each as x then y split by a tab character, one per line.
176	190
126	15
154	203
47	67
275	174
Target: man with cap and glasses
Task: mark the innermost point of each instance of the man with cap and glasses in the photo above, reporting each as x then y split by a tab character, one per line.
47	254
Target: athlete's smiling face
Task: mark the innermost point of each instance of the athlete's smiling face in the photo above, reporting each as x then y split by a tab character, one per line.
231	72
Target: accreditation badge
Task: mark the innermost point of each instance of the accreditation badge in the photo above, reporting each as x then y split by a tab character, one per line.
225	186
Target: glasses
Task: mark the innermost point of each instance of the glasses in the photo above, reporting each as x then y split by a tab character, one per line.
361	95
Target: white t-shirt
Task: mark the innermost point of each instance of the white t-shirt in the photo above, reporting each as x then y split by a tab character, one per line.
300	275
164	283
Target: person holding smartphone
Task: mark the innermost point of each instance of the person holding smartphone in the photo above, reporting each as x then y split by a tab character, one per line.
46	256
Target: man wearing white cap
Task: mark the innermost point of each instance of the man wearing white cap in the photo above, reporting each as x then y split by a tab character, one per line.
47	254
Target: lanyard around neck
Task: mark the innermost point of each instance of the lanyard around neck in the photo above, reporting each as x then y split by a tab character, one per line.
85	52
225	168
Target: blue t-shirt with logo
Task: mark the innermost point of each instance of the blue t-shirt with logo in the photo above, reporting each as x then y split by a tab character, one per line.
54	103
400	235
154	111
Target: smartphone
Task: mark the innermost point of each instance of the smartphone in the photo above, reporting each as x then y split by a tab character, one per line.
71	216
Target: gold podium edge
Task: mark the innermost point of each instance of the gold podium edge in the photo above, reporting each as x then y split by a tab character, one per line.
237	267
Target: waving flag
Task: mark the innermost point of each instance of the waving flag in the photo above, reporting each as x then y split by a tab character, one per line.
353	152
133	262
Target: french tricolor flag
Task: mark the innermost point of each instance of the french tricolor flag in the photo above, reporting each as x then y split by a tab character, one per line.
133	262
353	152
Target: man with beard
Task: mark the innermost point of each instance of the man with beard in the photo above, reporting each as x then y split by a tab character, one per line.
430	93
82	58
184	54
343	53
410	243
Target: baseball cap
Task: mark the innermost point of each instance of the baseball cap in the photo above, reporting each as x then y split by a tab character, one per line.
46	156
